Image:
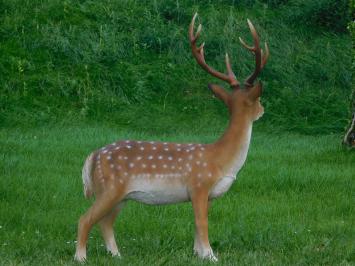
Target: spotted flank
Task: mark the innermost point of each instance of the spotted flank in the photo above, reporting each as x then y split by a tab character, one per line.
149	160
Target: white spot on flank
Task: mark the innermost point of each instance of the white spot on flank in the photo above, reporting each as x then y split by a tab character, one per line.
166	149
128	147
160	157
172	167
109	157
139	142
170	158
150	157
144	165
141	148
204	164
104	151
118	167
165	166
139	158
178	149
190	157
209	174
198	162
117	148
112	166
131	165
180	159
154	166
125	157
125	173
127	141
154	148
121	181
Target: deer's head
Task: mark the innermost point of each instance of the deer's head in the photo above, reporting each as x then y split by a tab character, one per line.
244	101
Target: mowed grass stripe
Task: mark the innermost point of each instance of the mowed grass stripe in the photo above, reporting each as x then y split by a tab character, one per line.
293	203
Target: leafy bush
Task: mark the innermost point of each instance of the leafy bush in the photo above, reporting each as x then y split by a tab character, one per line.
275	3
114	60
330	14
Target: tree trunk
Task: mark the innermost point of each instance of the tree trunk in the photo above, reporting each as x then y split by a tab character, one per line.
349	138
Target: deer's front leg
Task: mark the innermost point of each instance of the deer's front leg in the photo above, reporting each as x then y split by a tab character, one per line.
202	245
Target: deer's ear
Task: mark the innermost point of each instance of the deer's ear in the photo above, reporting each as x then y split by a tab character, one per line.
256	91
220	93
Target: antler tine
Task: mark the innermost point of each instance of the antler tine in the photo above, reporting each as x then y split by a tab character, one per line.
260	58
250	48
233	81
191	29
198	53
265	56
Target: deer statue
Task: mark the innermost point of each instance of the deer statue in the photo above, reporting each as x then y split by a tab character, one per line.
161	173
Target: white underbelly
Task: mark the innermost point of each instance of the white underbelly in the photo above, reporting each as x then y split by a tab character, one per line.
221	187
157	192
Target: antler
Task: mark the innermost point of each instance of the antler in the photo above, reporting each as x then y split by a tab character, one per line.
260	57
198	53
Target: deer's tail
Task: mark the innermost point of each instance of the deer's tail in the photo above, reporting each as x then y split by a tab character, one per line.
87	176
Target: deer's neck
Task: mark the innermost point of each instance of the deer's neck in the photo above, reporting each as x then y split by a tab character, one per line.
232	147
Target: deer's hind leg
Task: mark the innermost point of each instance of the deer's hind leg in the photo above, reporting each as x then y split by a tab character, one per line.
103	205
106	226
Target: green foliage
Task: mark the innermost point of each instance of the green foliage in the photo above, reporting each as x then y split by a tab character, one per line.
129	62
351	27
329	14
292	204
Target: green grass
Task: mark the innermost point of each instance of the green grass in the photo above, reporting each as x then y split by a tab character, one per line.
293	203
113	60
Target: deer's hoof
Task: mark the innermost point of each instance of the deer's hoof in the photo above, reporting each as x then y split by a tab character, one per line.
80	256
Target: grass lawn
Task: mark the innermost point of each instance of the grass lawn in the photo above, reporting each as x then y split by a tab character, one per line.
293	203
